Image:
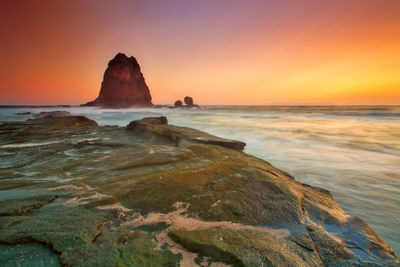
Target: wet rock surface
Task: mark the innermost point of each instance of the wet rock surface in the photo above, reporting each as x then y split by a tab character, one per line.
56	113
152	194
158	128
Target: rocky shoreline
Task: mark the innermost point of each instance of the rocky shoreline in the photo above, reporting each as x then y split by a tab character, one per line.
152	194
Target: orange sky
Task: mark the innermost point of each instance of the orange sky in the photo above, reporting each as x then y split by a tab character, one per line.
219	52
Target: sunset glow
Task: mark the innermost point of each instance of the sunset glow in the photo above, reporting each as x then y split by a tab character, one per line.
219	52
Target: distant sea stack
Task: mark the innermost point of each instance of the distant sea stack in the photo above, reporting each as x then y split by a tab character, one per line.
188	101
123	85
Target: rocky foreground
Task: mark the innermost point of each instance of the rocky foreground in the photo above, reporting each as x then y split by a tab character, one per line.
153	194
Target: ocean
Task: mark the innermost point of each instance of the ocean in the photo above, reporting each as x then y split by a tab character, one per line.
353	151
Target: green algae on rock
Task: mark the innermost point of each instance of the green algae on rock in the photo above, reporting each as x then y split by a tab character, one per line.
28	255
152	194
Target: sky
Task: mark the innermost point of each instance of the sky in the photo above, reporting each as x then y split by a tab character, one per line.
341	52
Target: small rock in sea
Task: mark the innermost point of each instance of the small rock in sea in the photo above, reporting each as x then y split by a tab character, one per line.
57	113
178	103
159	106
188	101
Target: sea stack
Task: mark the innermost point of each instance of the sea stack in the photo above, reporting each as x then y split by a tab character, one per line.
123	85
188	101
178	104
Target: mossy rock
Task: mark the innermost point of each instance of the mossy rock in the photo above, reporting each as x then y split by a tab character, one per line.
128	248
21	205
69	231
244	248
28	255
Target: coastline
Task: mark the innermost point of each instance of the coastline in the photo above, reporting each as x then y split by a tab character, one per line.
164	148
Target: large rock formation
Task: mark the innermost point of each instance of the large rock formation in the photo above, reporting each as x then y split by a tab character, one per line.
123	85
153	194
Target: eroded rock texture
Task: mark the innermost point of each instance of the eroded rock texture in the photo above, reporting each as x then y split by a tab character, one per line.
123	85
153	194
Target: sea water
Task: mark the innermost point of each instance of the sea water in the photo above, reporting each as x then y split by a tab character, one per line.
353	151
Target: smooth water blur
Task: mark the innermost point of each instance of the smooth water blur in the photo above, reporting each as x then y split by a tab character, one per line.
352	151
